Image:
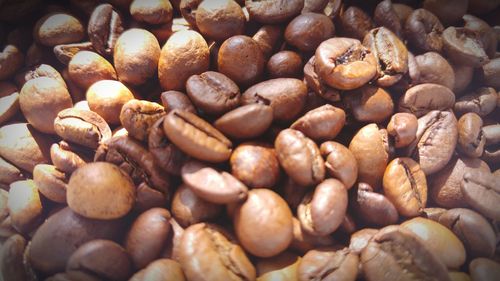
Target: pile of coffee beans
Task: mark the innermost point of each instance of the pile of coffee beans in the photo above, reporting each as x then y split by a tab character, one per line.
158	140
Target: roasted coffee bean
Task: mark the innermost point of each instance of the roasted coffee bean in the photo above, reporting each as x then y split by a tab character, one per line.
463	78
491	134
67	158
148	236
213	92
225	257
433	213
405	186
340	163
483	269
326	264
355	23
434	68
360	239
280	267
65	52
284	64
300	157
481	101
486	33
61	235
286	96
308	30
58	28
268	37
263	223
107	98
273	12
176	100
403	128
436	140
423	98
369	104
322	123
11	61
381	259
303	241
41	99
196	137
11	259
138	116
385	15
86	68
445	186
448	12
439	239
9	174
50	182
102	259
464	47
344	63
220	20
25	206
374	208
9	98
423	29
480	190
471	139
315	83
370	147
83	127
322	211
255	164
104	27
42	70
472	229
184	54
490	72
245	122
152	12
160	270
212	185
241	59
391	55
188	208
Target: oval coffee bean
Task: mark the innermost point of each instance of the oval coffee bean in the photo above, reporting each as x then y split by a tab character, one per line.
369	104
138	116
483	269
325	264
464	47
424	30
480	189
25	206
220	20
246	122
51	182
374	208
12	259
434	68
340	162
104	27
423	98
322	123
196	137
403	128
471	139
482	102
87	67
308	30
273	12
107	98
188	208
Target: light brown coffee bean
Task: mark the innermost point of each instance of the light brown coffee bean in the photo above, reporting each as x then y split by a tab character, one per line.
328	264
403	128
51	182
471	139
86	68
322	123
422	98
369	104
138	116
340	162
25	206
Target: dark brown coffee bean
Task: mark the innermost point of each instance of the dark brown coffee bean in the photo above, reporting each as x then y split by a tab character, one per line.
423	29
464	47
434	68
355	23
300	157
213	92
322	123
212	185
58	28
472	229
196	137
51	182
381	257
391	55
480	190
104	27
220	20
83	127
101	258
482	269
344	63
481	101
486	33
374	208
405	186
263	223
315	83
246	122
176	100
385	15
64	53
448	12
59	236
138	116
272	12
284	64
463	77
308	30
226	258
151	12
340	162
436	140
12	260
286	96
184	54
147	236
370	147
255	164
166	155
241	59
369	104
403	128
490	72
423	98
471	140
268	37
445	186
322	211
188	208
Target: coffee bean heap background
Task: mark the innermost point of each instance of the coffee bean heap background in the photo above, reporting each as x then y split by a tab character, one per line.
152	140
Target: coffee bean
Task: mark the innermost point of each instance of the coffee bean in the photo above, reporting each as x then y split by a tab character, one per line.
220	20
434	68
9	174
481	101
300	157
329	264
255	164
360	239
176	100
245	122
424	30
435	142
385	15
403	128
340	162
471	140
315	83
107	98
25	206
86	68
284	64
151	12
448	12
138	116
104	27
485	31
464	47
303	241
83	127
355	23
380	257
490	71
213	92
322	211
273	12
161	269
308	30
374	208
58	28
483	269
481	191
281	266
369	104
65	52
423	98
50	182
322	123
12	259
463	77
268	37
344	63
188	208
